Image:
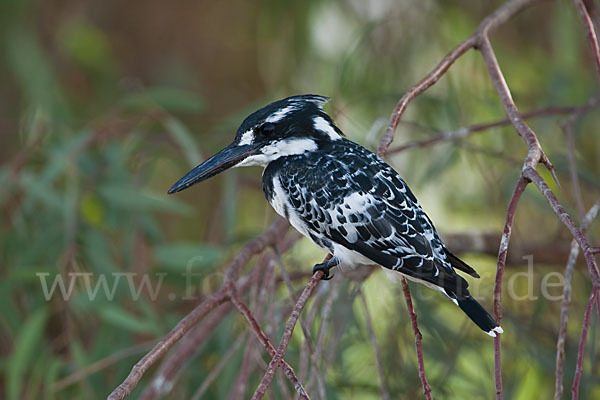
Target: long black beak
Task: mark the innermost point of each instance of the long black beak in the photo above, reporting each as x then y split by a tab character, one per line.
221	161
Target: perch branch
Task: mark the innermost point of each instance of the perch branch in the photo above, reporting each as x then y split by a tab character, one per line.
262	337
502	253
383	390
268	237
591	32
584	331
565	303
482	127
287	334
418	339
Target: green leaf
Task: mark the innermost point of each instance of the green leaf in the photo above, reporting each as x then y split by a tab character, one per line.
171	99
182	136
28	341
188	256
127	321
132	198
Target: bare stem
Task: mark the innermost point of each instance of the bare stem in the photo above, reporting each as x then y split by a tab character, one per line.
565	303
418	339
584	331
384	392
287	335
591	32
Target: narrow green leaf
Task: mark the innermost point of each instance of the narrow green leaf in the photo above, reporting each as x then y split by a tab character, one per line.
127	321
188	256
183	137
29	339
132	198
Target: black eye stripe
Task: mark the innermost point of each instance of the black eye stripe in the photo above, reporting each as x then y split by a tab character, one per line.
267	128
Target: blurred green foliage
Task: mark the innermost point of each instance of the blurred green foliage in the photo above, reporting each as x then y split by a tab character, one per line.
104	105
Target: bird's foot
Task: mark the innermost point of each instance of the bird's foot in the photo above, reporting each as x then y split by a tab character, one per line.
325	267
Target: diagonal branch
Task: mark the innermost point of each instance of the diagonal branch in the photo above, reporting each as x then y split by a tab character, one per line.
502	253
384	392
268	237
566	301
418	338
584	331
287	335
591	32
262	337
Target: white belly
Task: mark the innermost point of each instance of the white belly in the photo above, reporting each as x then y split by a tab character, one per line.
348	258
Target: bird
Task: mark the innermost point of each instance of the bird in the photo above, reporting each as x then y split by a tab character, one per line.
343	197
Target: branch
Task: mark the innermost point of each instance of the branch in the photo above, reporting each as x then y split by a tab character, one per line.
584	331
502	253
270	236
566	301
216	370
162	382
558	209
289	371
418	338
384	393
482	127
497	18
287	334
591	32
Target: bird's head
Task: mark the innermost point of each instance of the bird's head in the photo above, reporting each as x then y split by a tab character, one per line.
291	126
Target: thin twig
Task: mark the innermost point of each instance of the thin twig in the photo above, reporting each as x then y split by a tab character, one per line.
289	371
162	381
461	133
384	392
100	365
565	303
317	370
584	331
287	334
418	339
567	127
268	237
497	18
216	370
564	217
502	253
591	32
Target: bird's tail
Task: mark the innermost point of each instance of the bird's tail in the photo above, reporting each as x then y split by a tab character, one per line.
478	315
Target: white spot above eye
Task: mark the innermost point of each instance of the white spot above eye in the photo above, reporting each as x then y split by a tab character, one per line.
247	137
321	124
281	148
279	115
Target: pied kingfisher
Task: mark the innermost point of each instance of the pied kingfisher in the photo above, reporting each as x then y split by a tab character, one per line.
344	198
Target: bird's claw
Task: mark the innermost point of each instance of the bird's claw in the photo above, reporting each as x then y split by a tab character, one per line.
325	267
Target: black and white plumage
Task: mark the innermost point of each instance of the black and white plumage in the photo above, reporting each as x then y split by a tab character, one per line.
343	197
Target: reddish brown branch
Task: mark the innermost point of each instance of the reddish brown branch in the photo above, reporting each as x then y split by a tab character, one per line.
287	335
383	390
584	331
497	18
270	236
162	382
591	32
565	303
558	209
479	128
418	339
262	337
502	253
216	370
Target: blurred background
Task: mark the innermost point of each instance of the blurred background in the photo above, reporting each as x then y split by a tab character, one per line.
105	104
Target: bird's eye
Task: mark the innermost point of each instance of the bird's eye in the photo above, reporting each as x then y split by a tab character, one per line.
267	128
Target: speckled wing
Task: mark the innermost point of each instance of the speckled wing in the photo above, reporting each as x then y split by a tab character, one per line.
351	197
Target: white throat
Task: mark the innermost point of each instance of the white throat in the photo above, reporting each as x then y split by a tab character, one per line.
281	148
